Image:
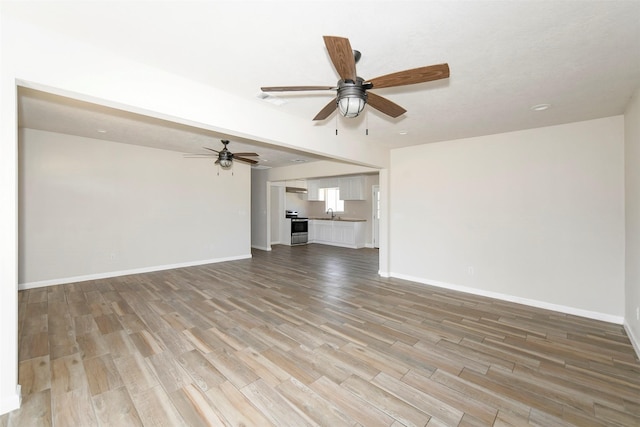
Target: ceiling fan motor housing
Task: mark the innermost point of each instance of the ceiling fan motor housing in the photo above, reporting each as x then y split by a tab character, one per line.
352	97
225	157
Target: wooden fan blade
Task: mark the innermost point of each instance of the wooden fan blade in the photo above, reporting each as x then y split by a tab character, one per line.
413	76
327	110
295	88
211	149
242	159
341	55
245	154
384	105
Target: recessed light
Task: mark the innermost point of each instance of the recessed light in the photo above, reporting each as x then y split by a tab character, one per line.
540	107
102	131
403	132
298	160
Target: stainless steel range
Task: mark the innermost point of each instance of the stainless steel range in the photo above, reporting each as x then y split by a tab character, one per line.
299	228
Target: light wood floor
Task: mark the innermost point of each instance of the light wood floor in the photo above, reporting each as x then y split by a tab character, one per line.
311	335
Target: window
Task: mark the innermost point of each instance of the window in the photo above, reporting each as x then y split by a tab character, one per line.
331	197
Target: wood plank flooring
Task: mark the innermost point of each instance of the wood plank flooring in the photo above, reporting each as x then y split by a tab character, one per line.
307	336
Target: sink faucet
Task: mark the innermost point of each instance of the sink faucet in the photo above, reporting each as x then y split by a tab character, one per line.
332	214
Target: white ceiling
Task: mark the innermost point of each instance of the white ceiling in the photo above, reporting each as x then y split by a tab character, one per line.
582	57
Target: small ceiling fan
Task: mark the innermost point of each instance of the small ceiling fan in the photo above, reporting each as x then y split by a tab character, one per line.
226	157
352	91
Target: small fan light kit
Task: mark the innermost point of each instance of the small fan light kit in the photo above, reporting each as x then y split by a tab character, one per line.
352	91
225	157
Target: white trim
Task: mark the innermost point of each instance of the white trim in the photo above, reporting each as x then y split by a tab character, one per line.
263	248
368	245
634	341
63	280
374	188
384	274
11	403
340	245
619	320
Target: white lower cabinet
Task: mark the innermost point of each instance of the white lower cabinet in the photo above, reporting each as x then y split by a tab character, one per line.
348	234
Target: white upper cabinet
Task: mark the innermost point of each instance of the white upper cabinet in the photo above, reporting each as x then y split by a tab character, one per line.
313	189
352	188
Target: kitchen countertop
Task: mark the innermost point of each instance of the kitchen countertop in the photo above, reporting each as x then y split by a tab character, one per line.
337	219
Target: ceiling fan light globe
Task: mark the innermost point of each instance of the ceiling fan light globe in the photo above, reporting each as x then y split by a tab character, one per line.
225	163
351	106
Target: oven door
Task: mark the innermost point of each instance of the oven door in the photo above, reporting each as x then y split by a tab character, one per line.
299	226
299	231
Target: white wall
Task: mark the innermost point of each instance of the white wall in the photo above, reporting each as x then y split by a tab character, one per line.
297	202
95	208
277	213
535	215
9	391
260	205
632	219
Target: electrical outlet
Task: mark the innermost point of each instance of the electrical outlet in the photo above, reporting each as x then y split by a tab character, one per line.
637	313
470	270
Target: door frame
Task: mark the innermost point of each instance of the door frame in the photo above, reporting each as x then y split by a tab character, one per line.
375	221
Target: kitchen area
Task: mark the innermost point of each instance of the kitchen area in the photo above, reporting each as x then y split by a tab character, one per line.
338	211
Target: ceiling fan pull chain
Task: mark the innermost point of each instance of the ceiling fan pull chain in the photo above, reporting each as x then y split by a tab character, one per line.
366	114
336	125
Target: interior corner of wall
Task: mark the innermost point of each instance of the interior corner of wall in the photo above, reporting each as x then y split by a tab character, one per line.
633	337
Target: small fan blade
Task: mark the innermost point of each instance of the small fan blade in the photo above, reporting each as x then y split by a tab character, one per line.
242	159
413	76
342	57
384	105
295	88
211	149
200	156
327	110
245	154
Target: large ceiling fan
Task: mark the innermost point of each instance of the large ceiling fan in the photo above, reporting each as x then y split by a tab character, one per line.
352	91
226	157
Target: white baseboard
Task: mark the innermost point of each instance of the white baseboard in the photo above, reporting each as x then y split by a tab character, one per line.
619	320
263	248
635	341
11	403
106	275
